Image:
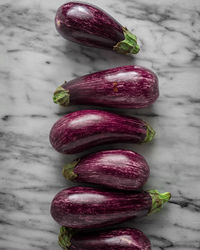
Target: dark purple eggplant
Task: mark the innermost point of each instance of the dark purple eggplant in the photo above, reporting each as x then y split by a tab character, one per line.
120	169
90	26
83	129
121	87
85	207
118	239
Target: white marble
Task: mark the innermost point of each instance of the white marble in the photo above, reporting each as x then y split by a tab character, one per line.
35	60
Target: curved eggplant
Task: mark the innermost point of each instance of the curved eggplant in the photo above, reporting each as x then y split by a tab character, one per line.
90	26
121	87
120	169
83	129
85	207
118	239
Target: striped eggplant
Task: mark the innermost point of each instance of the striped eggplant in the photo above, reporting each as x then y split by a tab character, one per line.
90	26
86	207
120	169
83	129
117	239
121	87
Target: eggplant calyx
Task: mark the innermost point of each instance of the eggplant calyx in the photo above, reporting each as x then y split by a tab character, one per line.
61	96
128	45
158	200
150	134
68	170
64	238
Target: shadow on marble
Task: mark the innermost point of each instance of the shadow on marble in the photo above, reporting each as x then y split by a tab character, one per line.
96	56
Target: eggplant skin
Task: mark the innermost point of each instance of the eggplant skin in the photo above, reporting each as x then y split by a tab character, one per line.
117	239
88	25
83	129
85	207
119	169
121	87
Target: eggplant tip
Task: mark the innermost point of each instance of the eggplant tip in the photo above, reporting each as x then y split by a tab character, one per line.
128	45
64	238
61	96
68	170
158	200
150	134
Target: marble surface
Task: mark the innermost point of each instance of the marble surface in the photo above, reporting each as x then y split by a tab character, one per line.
35	60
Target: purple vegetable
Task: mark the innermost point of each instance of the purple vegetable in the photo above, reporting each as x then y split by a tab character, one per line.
120	169
84	207
83	129
88	25
118	239
121	87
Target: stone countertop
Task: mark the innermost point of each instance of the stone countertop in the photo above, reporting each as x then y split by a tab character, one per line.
35	60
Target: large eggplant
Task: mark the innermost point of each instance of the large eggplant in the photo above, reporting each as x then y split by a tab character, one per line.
120	169
83	129
86	207
118	239
121	87
88	25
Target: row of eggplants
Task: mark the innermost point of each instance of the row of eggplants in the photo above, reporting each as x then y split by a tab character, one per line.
122	87
89	207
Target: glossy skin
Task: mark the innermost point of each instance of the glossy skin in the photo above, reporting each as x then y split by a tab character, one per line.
119	239
84	207
88	25
121	87
83	129
120	169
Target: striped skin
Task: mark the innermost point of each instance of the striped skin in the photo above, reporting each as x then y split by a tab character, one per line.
121	87
119	169
84	207
83	129
88	25
118	239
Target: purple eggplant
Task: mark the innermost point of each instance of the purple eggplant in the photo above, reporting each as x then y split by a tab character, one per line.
117	239
86	207
83	129
121	87
120	169
90	26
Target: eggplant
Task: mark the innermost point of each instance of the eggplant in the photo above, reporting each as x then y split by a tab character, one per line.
117	239
120	169
86	207
121	87
90	26
83	129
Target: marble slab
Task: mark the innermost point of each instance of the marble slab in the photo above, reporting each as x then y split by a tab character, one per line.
35	60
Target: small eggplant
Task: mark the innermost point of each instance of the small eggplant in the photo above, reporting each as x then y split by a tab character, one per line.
86	207
117	239
83	129
121	87
120	169
90	26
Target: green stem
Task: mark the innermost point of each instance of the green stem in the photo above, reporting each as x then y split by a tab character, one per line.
64	238
158	200
61	96
128	45
150	133
68	170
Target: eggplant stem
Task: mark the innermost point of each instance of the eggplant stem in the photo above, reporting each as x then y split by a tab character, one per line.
61	96
68	170
64	238
158	200
128	45
150	134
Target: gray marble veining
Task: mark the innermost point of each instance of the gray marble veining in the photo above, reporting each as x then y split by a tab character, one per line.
35	60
